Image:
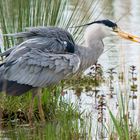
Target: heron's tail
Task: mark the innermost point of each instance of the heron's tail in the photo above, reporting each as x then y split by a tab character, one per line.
12	87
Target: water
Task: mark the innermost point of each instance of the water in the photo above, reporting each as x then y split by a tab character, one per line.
118	54
122	52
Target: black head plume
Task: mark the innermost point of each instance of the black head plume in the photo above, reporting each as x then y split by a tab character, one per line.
106	22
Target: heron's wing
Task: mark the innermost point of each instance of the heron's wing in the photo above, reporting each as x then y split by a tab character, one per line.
40	69
49	32
51	45
52	38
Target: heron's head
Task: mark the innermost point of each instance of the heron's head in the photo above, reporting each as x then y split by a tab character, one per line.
105	28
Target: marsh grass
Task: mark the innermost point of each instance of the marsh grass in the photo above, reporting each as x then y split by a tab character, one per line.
51	131
63	121
53	104
124	128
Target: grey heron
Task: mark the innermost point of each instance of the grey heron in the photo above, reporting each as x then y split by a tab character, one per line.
49	54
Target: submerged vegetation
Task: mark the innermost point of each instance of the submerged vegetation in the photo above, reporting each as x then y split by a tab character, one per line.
110	115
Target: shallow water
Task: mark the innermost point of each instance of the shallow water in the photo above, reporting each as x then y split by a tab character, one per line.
120	55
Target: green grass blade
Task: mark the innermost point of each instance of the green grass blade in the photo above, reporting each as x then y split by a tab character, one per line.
116	124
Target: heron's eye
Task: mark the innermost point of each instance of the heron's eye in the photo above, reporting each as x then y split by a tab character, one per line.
115	29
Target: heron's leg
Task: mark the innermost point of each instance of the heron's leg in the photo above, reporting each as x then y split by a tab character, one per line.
30	114
41	112
1	115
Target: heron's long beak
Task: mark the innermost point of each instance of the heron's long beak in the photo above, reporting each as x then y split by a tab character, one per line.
127	36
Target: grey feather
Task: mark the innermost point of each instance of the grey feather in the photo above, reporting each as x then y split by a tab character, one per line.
50	39
58	66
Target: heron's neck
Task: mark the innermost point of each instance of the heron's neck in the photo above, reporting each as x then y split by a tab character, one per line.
90	54
94	35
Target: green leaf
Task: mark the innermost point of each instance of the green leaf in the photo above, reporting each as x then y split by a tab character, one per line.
116	124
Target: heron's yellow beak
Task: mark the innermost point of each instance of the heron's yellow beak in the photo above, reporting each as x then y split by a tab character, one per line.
127	36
